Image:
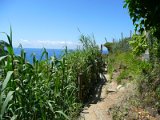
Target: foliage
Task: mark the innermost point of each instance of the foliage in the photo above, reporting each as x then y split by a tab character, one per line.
128	66
122	45
5	99
149	85
2	48
109	46
47	88
139	44
87	61
145	14
123	61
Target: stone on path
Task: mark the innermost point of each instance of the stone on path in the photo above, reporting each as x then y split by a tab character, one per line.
111	87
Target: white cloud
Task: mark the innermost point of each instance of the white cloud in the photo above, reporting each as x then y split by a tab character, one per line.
58	44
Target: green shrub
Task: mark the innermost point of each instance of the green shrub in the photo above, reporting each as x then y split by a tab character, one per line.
128	65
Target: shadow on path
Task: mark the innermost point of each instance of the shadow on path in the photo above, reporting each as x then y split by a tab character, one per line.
96	95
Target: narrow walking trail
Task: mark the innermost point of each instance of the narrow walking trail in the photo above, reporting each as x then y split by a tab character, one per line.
107	94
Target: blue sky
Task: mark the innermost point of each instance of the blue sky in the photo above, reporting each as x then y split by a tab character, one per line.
55	23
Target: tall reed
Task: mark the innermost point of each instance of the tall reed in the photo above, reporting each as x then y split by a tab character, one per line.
47	88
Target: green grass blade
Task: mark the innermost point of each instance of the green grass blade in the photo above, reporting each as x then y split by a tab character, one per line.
8	98
50	106
9	38
10	50
62	113
14	117
3	57
9	73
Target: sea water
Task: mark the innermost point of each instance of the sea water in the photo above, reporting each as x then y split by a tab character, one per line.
38	53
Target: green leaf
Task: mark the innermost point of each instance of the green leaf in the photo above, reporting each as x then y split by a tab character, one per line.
9	38
50	106
62	113
134	20
10	50
9	73
3	57
125	5
14	117
8	98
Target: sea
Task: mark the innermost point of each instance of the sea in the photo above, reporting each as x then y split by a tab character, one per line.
38	52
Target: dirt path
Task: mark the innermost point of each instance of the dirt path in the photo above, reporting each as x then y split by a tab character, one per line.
99	107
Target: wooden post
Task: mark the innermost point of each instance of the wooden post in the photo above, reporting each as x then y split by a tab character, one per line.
101	54
80	78
97	71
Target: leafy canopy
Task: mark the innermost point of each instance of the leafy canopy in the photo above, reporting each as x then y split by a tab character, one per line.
145	15
139	44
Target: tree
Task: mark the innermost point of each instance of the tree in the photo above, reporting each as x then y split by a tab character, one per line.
145	15
138	44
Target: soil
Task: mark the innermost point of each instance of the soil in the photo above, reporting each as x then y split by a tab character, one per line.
107	95
111	99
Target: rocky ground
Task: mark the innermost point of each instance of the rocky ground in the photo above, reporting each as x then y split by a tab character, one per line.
111	102
107	95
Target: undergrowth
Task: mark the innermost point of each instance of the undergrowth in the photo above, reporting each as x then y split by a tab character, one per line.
145	74
128	66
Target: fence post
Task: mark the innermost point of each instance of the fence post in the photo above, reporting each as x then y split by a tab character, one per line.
101	48
101	53
80	79
97	70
